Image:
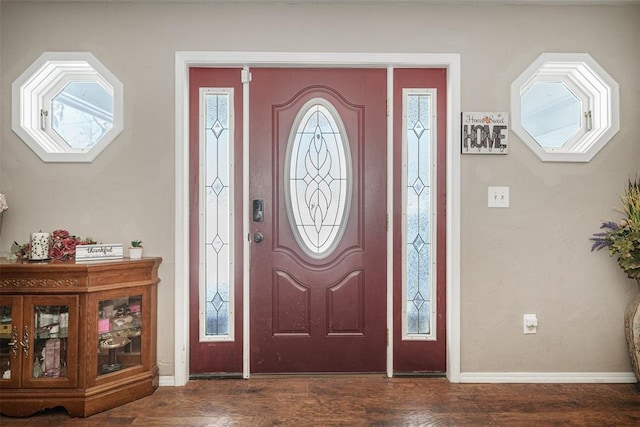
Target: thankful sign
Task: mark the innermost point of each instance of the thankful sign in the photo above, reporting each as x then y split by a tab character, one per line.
106	251
485	133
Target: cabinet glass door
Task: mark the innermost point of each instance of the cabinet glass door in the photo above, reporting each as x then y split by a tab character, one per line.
51	331
51	327
11	350
119	334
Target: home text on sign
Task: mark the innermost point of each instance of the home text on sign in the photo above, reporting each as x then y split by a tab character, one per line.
484	133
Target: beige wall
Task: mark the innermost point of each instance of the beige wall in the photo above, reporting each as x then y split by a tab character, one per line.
531	258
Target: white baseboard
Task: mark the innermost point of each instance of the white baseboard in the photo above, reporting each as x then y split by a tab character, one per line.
547	377
516	377
167	381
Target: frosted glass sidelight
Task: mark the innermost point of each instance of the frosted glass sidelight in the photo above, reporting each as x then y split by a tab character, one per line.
216	224
318	176
418	288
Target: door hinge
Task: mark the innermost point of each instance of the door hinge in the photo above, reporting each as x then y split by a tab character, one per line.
245	75
386	225
386	338
387	107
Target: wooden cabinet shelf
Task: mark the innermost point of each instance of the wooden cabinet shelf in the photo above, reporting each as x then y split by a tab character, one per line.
77	335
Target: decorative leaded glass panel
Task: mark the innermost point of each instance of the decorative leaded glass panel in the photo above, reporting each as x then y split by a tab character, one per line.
318	175
418	140
216	231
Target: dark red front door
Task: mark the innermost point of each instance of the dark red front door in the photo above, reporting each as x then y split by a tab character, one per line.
318	277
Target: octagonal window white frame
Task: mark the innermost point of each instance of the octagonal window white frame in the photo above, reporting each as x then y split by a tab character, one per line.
37	85
592	84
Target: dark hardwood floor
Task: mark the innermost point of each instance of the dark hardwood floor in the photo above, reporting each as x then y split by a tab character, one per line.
364	400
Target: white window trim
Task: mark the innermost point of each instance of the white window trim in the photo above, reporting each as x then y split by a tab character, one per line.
38	81
186	60
433	185
594	82
230	336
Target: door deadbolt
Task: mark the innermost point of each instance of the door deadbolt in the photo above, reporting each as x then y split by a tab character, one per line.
258	210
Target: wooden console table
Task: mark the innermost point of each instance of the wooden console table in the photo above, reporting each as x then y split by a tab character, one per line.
78	335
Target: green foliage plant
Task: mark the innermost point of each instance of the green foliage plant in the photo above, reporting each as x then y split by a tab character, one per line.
623	238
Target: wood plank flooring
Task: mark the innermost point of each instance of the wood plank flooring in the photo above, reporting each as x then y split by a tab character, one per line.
364	400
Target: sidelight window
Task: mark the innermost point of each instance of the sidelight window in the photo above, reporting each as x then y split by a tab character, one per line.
216	214
418	193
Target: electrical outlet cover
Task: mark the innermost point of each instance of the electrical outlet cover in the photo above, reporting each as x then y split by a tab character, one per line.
498	197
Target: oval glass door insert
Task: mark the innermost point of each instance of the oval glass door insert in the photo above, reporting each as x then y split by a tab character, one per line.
318	178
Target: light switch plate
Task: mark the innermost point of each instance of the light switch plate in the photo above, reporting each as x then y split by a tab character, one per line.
498	197
530	324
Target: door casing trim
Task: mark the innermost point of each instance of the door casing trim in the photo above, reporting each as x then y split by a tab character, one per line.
188	59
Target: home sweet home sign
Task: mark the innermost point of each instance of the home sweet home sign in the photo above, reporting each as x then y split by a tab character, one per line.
485	133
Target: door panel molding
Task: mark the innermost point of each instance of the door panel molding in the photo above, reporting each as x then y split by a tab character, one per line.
342	318
185	60
295	298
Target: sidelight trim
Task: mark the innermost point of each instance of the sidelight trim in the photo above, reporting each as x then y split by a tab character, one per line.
216	264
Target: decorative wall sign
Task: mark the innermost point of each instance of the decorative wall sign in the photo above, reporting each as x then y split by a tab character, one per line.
485	133
99	252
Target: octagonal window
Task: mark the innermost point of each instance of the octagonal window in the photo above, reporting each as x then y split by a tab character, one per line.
551	113
82	113
565	107
67	107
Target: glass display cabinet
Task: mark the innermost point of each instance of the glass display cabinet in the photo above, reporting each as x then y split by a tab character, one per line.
35	350
119	332
77	335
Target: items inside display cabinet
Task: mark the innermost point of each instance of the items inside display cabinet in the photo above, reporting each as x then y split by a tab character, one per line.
50	341
8	343
119	334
